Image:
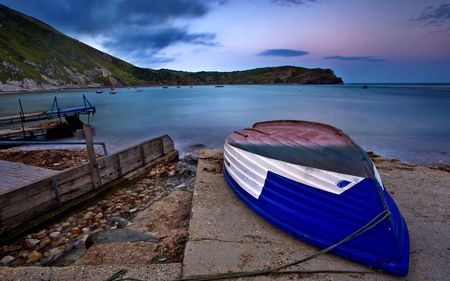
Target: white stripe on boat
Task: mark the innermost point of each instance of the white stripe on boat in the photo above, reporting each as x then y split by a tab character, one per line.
249	170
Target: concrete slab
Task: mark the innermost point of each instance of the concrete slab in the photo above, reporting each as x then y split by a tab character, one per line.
226	236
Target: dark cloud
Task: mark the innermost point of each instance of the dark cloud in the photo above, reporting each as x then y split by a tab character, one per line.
94	17
433	16
362	58
290	3
156	39
137	29
282	53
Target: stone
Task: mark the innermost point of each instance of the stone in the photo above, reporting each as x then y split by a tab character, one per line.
6	260
41	234
44	242
85	230
122	223
56	252
55	234
118	235
99	215
31	243
89	215
134	210
65	225
76	230
34	257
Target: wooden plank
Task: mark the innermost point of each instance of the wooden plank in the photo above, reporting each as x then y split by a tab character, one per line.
89	137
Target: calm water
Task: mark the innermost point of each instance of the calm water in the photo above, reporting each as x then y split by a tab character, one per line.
409	122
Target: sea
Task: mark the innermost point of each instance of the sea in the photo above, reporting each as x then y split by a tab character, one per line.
410	122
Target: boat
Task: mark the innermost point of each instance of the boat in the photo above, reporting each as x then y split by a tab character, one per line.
314	182
99	92
113	91
219	86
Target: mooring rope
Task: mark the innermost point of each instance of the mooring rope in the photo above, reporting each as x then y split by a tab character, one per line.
371	224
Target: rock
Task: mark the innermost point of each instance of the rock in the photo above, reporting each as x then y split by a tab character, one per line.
89	215
85	230
122	223
55	253
6	260
99	215
31	243
41	234
172	173
55	234
44	242
65	225
134	210
118	235
34	257
76	230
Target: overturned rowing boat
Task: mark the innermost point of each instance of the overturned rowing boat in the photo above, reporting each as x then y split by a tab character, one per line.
312	181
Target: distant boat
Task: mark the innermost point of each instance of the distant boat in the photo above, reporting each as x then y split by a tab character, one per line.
113	91
178	86
99	92
219	86
365	87
314	182
165	87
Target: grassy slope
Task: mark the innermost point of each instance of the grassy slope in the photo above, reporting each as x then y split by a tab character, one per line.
30	48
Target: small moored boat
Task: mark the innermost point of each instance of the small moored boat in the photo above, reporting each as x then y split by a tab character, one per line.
313	181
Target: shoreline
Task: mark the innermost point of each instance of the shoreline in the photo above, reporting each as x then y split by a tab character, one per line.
80	152
55	90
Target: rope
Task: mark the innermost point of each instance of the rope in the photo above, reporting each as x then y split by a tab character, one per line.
371	224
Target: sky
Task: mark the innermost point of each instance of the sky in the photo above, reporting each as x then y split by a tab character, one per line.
365	41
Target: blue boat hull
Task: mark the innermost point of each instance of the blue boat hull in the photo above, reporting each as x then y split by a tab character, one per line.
322	219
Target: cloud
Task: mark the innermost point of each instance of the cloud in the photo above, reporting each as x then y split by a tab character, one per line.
94	17
362	58
282	53
137	29
290	3
433	16
155	39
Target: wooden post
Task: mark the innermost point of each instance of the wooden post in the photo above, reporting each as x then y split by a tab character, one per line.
95	172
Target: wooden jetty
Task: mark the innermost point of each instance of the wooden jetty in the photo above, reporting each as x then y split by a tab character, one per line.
32	132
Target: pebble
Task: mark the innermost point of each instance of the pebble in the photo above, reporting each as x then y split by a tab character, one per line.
76	230
65	225
89	215
31	243
34	257
134	210
55	253
99	215
55	234
41	234
86	230
6	260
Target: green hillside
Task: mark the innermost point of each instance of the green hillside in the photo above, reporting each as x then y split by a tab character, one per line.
36	56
